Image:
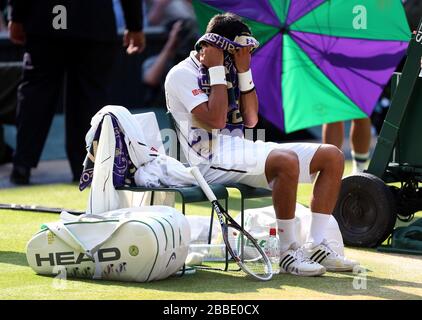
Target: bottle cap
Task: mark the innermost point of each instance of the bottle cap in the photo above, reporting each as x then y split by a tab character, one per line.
273	232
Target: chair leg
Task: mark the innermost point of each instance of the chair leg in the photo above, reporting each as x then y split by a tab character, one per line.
151	202
183	206
211	224
226	267
226	264
242	242
184	213
183	270
242	223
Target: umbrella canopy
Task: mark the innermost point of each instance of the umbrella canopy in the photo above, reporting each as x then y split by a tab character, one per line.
320	61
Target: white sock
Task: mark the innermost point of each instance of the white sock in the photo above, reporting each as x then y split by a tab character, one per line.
286	233
360	161
319	224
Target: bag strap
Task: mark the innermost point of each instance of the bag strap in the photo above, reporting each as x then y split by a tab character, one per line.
61	231
95	249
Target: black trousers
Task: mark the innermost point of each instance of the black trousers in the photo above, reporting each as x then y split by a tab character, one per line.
10	75
79	68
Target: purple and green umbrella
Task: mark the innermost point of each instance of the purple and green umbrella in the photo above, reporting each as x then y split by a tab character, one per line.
320	61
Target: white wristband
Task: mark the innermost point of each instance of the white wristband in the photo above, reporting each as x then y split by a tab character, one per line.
217	75
245	81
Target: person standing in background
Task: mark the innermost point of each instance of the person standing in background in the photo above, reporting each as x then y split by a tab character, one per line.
360	140
70	46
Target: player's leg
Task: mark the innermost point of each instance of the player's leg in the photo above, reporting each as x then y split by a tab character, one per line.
328	161
282	172
360	142
38	96
268	165
260	168
333	133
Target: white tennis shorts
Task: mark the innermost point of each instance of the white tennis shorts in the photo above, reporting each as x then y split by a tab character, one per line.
238	160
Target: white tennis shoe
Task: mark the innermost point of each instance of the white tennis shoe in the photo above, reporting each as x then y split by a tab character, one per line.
328	258
294	261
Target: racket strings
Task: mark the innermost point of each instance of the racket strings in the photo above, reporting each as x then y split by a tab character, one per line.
248	252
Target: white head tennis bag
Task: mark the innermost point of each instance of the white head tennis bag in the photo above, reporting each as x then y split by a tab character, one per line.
133	244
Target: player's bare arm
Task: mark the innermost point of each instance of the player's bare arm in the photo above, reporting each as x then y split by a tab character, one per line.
213	113
249	99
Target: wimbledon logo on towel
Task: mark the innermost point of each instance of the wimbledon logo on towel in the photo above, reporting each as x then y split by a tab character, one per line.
69	258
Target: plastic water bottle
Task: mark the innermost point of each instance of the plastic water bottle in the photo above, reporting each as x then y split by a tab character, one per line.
272	250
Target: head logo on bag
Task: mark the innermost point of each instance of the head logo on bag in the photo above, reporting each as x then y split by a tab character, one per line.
69	257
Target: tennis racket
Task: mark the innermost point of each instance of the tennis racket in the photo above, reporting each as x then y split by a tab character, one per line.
34	208
242	246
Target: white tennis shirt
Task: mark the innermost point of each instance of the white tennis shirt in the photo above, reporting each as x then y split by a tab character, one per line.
183	94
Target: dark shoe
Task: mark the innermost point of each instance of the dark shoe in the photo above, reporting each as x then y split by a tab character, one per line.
20	175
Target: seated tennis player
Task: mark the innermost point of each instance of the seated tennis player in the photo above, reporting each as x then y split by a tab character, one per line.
212	98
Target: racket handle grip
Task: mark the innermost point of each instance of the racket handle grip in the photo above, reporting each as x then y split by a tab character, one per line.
203	184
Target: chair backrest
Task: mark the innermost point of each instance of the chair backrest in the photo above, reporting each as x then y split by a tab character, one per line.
164	140
149	126
177	148
177	151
